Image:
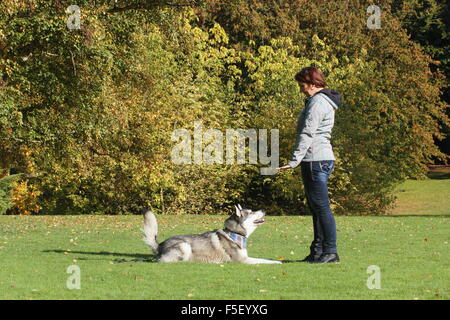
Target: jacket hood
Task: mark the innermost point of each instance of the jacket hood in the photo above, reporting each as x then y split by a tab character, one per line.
333	96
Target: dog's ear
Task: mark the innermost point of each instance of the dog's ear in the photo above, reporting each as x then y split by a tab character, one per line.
239	206
238	211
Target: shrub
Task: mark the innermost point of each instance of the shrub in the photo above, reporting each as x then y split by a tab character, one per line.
6	186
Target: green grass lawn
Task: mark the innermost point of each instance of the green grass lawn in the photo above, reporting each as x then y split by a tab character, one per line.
411	248
425	197
35	252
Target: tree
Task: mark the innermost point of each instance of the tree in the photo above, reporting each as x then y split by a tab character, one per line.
90	112
428	23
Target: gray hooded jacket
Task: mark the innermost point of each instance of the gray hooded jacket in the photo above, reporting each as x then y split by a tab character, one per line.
314	127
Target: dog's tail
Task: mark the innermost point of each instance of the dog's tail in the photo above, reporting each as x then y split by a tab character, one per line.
150	231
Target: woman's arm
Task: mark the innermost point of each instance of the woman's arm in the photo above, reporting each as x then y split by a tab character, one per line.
306	133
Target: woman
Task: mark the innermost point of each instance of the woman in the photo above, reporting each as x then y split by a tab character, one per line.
313	152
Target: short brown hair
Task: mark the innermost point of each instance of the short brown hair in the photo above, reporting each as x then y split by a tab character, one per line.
311	75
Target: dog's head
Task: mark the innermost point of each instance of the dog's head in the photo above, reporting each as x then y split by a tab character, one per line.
244	221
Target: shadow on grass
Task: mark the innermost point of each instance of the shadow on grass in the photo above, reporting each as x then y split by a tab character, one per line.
439	173
304	262
137	256
439	176
293	261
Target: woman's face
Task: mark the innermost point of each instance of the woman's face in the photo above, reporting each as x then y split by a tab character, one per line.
306	88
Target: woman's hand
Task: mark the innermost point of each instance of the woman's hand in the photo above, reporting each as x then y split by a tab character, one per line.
284	167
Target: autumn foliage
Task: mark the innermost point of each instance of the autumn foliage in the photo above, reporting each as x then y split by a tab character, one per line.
88	114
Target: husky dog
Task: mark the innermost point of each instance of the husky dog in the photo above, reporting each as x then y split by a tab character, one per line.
221	245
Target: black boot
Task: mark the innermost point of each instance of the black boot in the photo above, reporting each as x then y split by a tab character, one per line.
327	258
311	258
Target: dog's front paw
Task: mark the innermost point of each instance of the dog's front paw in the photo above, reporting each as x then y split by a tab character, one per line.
275	261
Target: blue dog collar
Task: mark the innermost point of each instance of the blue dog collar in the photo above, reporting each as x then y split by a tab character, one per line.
240	240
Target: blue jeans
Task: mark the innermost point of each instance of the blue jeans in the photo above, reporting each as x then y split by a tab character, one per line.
315	179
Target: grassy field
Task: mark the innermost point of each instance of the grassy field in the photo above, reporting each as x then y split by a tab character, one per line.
425	197
35	252
411	248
